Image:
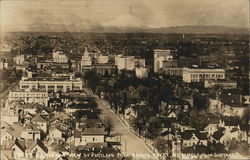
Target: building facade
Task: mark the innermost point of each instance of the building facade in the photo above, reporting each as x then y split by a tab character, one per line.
51	84
224	84
159	57
103	69
202	74
59	57
29	96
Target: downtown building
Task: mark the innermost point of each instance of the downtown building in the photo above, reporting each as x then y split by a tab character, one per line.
59	57
161	57
29	96
128	62
193	74
51	84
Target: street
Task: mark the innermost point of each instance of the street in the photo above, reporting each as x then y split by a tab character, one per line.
131	145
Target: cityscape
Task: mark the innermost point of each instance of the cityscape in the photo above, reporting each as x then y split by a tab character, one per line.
123	93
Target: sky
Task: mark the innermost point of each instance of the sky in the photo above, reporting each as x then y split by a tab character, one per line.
77	15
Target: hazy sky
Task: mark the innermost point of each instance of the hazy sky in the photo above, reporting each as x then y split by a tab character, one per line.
74	15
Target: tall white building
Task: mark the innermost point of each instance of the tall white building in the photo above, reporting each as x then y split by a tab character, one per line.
29	96
128	62
59	57
202	74
159	57
86	59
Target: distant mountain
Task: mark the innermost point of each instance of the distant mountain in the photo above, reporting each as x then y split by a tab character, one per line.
199	30
124	21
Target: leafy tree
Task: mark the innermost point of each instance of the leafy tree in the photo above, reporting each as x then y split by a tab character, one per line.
160	144
153	127
200	102
92	79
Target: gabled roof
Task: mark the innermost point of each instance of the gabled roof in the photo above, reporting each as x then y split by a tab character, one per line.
19	143
38	118
186	135
15	130
93	131
59	148
234	130
33	143
217	135
78	134
30	126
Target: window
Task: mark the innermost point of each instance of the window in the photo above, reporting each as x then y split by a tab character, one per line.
93	139
25	86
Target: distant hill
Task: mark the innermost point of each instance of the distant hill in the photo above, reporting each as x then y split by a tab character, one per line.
135	27
200	30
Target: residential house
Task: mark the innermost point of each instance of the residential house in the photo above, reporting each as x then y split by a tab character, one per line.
89	135
194	137
40	123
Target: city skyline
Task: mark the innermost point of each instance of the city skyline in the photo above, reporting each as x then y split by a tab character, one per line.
78	16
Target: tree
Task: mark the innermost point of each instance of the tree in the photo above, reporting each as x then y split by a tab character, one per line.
92	79
153	127
143	92
160	144
200	102
99	90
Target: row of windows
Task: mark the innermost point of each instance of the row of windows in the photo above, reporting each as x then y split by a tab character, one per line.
28	95
207	75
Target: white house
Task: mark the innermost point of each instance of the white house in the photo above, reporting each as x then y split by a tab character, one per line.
89	135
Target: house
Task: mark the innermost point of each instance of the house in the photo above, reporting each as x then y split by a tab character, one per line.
26	117
18	148
216	137
88	123
30	131
40	123
89	135
55	133
194	137
58	150
212	126
35	149
44	112
167	135
11	118
171	114
60	131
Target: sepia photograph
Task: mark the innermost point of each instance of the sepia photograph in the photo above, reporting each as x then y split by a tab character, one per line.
124	80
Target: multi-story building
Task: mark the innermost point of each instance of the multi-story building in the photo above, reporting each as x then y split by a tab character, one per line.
29	96
141	72
51	84
128	62
161	56
103	69
200	74
59	57
102	59
19	59
173	71
224	84
125	62
86	59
